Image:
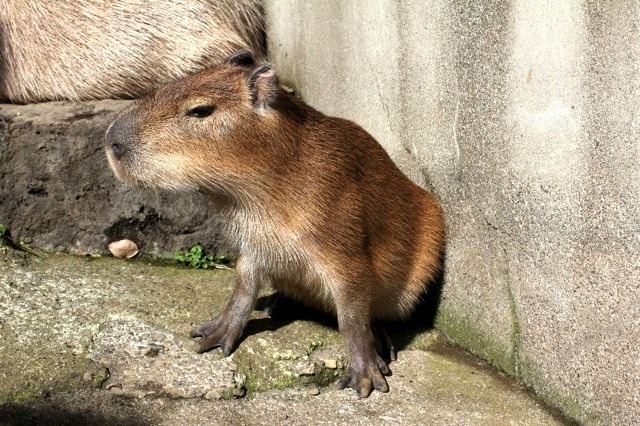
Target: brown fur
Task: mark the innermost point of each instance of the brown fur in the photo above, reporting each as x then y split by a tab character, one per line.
86	49
314	204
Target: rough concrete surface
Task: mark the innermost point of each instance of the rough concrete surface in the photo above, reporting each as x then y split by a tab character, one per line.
521	116
57	191
101	341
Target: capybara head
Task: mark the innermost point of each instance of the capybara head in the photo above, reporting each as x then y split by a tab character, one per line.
204	131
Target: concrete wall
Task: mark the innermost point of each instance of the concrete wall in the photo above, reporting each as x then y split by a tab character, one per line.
522	117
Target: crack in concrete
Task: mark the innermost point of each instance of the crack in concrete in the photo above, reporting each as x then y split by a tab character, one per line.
382	101
456	116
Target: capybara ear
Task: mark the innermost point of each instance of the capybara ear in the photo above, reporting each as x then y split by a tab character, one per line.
263	86
242	58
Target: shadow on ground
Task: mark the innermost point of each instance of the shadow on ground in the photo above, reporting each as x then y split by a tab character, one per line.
402	333
39	413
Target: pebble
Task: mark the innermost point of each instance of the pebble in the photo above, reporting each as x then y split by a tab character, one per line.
157	336
193	393
313	391
306	368
214	394
330	363
116	390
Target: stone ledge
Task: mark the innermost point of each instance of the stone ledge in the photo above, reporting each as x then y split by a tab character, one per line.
58	193
103	341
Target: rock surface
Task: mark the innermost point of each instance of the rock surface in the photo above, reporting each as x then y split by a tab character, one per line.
57	191
144	361
103	341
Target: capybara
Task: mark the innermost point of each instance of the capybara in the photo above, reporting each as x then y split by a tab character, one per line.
313	204
86	49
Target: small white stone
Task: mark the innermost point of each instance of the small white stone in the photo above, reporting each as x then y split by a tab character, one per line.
305	368
116	390
330	363
214	394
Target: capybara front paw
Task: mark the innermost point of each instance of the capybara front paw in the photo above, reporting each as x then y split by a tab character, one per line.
217	333
365	379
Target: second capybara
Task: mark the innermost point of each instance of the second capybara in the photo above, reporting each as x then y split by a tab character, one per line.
314	206
84	49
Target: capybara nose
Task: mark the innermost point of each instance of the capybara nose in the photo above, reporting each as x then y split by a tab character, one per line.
117	150
117	138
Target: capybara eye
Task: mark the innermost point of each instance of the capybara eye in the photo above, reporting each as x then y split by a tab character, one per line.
201	111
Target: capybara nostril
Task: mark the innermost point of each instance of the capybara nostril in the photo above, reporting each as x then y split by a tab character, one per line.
116	150
117	137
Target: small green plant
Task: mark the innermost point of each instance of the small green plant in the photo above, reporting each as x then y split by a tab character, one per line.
197	257
4	236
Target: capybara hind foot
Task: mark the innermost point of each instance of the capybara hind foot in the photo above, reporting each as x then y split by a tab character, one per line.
365	376
366	368
273	304
384	345
217	333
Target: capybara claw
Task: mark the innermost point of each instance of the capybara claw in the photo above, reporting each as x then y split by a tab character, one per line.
364	381
196	332
216	333
205	329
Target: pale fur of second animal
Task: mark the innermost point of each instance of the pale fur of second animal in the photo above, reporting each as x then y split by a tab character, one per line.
314	206
85	49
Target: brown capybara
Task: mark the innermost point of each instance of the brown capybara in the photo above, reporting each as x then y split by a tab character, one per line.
313	204
86	49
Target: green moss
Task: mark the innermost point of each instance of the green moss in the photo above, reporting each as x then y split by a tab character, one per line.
170	297
273	360
51	374
264	372
569	405
263	375
463	333
19	396
99	378
325	376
